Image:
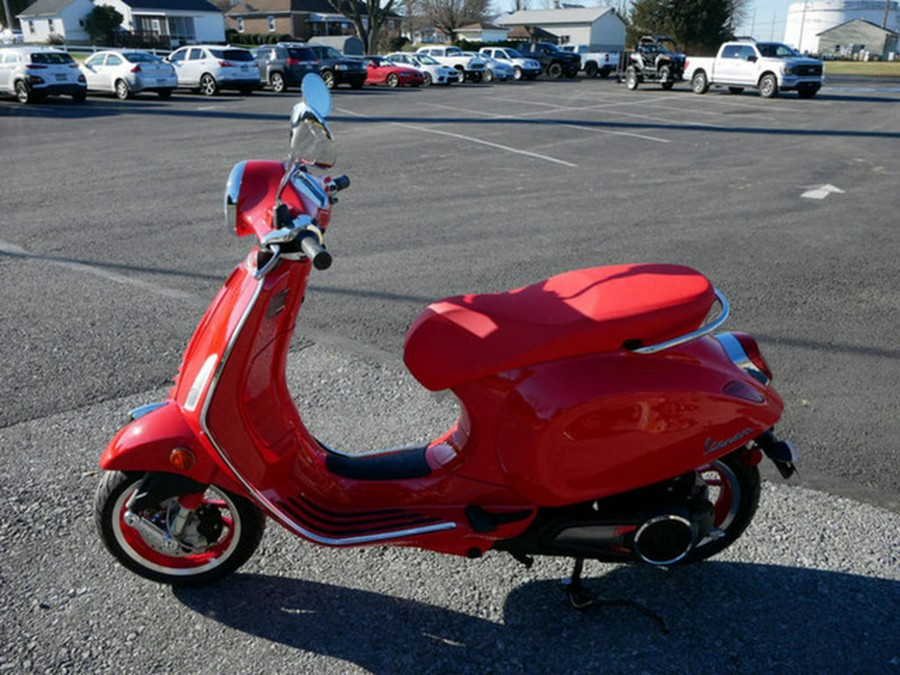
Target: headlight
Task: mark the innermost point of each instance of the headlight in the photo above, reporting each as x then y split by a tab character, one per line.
340	66
787	70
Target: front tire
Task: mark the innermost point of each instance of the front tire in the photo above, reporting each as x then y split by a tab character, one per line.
734	488
328	76
236	523
768	86
488	76
276	81
428	79
517	73
555	71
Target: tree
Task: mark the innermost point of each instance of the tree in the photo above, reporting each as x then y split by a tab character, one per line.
102	22
368	17
698	26
450	15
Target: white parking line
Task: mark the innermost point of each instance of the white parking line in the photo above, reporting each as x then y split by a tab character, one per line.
463	137
570	125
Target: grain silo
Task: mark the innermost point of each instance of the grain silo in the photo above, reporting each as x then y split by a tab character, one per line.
807	19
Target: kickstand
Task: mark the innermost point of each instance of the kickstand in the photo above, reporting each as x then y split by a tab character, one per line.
581	598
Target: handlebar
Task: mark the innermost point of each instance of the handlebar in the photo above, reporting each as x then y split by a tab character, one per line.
339	183
312	249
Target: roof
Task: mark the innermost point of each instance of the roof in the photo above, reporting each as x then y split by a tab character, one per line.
275	6
480	26
46	7
532	33
870	24
548	17
182	5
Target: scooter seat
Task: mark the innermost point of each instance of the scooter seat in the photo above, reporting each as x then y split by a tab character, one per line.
601	309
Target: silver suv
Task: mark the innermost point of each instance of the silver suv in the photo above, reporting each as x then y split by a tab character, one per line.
31	73
209	68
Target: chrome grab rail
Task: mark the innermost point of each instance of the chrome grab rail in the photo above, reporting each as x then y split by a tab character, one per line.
699	333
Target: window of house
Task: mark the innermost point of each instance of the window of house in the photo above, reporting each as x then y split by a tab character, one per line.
50	26
240	24
271	20
30	26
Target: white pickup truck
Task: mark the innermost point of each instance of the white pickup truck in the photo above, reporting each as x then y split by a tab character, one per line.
770	67
594	63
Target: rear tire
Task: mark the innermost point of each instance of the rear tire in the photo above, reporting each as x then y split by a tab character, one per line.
631	79
122	90
24	93
208	85
238	524
734	492
591	70
699	83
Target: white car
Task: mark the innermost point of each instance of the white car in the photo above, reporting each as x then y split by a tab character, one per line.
31	73
469	67
523	66
128	72
432	71
210	68
10	37
494	68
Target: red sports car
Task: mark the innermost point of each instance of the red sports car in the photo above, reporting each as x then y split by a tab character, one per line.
382	71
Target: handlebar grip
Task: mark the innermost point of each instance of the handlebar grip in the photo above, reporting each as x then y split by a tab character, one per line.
312	249
340	183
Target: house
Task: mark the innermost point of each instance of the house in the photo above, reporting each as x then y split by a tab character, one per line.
425	35
601	28
482	32
302	19
177	21
857	38
48	19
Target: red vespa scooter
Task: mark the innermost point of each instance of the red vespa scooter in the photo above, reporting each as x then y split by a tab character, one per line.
599	417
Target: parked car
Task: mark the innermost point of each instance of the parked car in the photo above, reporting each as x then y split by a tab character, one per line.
554	61
470	67
128	72
654	59
432	71
384	71
769	67
285	64
10	37
523	67
494	69
337	69
593	63
210	68
31	73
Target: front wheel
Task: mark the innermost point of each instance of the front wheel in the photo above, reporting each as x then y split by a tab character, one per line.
768	86
328	76
488	76
276	81
428	79
214	539
734	488
555	71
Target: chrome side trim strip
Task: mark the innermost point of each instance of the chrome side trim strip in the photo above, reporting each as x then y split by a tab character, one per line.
699	333
739	357
269	506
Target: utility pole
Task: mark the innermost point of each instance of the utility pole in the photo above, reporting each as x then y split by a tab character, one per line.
9	17
887	11
802	25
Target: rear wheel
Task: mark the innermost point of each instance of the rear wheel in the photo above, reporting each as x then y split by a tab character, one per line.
122	90
734	492
591	70
631	79
216	538
24	93
208	85
699	83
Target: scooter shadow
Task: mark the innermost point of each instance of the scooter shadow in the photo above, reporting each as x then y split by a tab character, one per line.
730	617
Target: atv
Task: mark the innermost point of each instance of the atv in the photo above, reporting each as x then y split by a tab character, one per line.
655	59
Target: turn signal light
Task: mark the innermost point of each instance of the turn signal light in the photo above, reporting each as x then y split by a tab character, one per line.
751	348
182	459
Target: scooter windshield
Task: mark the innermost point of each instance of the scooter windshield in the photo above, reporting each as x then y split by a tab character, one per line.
312	142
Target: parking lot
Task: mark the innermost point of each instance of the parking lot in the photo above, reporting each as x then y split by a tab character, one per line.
112	241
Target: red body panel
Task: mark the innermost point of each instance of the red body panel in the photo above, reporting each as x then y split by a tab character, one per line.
544	422
377	73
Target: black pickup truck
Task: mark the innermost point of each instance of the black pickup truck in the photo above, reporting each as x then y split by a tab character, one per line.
554	61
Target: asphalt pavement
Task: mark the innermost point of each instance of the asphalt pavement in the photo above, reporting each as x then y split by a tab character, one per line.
112	242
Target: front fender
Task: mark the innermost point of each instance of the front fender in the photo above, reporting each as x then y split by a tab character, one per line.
146	445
